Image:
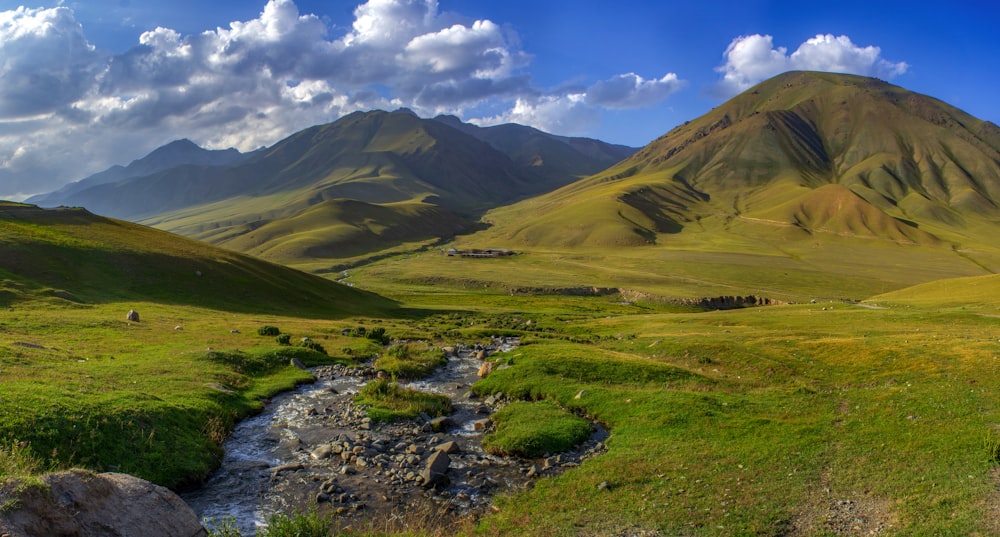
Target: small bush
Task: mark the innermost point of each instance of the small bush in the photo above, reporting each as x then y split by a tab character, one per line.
297	524
530	430
222	528
268	330
387	401
283	339
312	345
378	334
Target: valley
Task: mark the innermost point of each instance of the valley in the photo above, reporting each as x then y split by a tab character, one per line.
853	394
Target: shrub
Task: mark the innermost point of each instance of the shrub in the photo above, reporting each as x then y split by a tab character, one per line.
378	334
268	330
312	345
283	339
298	524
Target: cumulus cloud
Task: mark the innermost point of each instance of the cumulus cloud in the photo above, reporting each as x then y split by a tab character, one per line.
632	91
46	62
566	114
67	109
753	58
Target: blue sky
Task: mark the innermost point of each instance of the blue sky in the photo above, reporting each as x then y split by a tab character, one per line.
90	83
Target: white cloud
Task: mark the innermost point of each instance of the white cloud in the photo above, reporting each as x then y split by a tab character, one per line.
753	58
67	110
567	114
45	61
632	91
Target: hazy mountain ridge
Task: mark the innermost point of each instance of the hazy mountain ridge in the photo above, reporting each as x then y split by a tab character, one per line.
391	176
176	153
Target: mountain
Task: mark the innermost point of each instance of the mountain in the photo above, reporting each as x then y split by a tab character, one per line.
72	254
546	154
176	153
801	158
367	182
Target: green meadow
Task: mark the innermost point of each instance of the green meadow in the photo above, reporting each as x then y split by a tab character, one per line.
873	415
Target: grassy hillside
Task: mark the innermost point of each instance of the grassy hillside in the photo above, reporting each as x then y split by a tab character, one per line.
910	158
810	419
84	386
73	255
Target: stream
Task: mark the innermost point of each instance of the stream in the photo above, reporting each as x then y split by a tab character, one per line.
313	448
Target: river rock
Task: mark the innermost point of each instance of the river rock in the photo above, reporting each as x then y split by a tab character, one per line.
322	452
449	447
486	369
80	503
481	425
435	469
290	467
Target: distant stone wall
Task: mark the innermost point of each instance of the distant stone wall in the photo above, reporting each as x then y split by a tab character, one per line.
567	291
705	303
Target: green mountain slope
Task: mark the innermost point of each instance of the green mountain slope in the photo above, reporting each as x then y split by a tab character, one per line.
394	177
71	254
815	152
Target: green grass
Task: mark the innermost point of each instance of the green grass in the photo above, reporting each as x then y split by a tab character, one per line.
411	360
534	429
387	401
82	387
776	413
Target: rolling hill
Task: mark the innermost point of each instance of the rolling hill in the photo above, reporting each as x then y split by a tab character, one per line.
73	255
798	155
367	182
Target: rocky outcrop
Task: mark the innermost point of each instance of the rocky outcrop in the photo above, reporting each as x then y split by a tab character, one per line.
82	504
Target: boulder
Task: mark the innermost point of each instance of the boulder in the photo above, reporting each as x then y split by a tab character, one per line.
132	316
449	447
296	363
436	469
486	369
84	504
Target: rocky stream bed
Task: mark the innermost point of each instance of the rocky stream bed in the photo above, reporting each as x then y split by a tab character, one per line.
314	448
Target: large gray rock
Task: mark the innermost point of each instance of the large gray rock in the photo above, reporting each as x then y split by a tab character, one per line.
436	469
132	316
82	504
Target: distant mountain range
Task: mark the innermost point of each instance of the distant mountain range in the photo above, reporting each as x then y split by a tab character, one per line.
800	161
368	181
176	153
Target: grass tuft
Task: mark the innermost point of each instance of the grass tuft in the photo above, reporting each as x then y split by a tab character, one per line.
525	429
411	360
387	401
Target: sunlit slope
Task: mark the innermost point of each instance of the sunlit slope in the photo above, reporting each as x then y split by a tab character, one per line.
366	183
71	254
977	292
785	154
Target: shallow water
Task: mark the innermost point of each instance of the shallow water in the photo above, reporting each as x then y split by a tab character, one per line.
243	488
